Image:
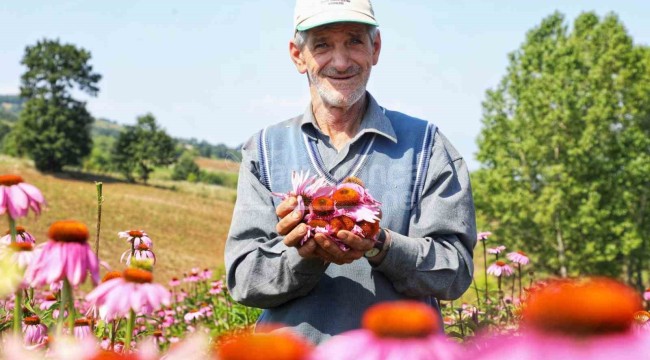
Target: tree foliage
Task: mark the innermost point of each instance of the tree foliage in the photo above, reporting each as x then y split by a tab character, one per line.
141	148
565	149
54	128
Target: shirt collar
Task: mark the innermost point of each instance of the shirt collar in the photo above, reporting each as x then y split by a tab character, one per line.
374	121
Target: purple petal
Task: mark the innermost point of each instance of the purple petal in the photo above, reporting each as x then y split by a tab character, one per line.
17	202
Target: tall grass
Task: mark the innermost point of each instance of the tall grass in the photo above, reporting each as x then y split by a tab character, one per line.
187	222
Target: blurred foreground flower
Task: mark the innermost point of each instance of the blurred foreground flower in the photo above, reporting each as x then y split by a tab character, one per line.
21	236
12	274
280	345
67	255
392	331
499	268
17	197
574	319
133	291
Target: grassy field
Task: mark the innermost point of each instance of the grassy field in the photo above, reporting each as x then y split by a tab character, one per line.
187	222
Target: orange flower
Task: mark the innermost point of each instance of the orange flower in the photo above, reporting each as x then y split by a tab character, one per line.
401	319
582	306
268	346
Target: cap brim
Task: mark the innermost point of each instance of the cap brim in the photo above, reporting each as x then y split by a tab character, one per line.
331	17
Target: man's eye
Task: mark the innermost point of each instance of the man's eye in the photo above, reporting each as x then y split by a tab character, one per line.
356	41
320	46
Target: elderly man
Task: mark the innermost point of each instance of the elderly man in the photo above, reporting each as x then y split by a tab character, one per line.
424	248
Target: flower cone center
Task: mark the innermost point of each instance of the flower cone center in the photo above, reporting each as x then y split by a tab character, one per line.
346	197
317	223
69	231
342	223
400	319
263	347
501	263
354	180
31	320
136	233
323	205
111	275
143	246
21	246
82	322
10	180
370	229
138	275
582	307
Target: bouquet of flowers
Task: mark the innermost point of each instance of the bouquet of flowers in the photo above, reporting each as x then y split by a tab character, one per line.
329	209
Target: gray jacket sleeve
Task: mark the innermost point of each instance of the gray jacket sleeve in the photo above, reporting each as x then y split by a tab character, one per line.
435	257
262	271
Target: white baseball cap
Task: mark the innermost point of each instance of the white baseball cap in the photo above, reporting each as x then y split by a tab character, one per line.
312	13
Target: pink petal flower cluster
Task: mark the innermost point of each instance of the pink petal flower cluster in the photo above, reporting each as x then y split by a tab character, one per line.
518	257
646	294
141	246
392	330
67	255
17	197
35	332
482	236
496	250
134	290
330	209
500	268
21	236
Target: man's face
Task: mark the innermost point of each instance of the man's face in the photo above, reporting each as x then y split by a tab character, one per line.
337	59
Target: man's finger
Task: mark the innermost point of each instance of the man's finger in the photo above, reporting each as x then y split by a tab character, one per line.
286	206
355	242
295	236
289	222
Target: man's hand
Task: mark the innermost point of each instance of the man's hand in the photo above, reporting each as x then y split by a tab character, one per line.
290	226
331	251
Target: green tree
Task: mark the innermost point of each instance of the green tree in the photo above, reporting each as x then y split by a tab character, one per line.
185	167
565	149
54	128
141	148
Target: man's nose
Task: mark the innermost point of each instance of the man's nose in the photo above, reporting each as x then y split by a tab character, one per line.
341	59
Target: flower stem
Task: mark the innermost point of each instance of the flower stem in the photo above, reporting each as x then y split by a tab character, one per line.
62	304
485	269
129	330
12	229
100	200
18	312
18	300
70	302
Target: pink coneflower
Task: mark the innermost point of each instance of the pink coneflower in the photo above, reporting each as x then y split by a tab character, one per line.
206	274
217	287
518	257
500	268
21	236
49	300
193	315
141	252
22	253
194	276
588	318
392	330
82	329
305	188
34	331
482	236
136	237
174	282
496	250
133	291
17	197
66	255
646	294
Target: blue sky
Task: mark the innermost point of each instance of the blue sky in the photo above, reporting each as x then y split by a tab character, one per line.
220	70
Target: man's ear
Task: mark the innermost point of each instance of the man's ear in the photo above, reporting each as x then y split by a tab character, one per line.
297	57
376	48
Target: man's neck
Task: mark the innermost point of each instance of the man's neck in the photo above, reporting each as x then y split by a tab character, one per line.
339	123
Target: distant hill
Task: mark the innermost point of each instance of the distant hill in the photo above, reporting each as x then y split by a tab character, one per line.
11	105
